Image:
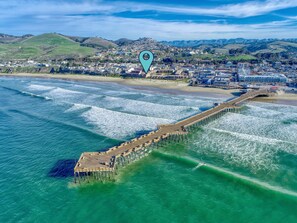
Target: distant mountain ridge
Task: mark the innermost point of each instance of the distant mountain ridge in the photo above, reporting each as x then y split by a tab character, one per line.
58	46
98	42
142	43
266	49
5	38
123	42
95	42
217	42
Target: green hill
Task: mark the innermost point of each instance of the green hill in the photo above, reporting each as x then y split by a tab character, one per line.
97	42
45	46
94	42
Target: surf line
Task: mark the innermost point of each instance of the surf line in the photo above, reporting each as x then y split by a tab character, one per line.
227	173
26	93
64	124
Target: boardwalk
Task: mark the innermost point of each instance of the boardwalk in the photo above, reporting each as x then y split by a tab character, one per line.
105	163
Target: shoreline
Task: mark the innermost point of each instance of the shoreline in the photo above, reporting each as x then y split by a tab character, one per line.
161	84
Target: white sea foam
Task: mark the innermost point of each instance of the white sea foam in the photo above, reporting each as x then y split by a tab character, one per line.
62	94
184	100
120	125
162	106
262	112
136	115
275	107
287	132
259	126
122	104
253	138
77	107
161	99
37	87
279	113
142	108
146	95
105	90
246	124
237	151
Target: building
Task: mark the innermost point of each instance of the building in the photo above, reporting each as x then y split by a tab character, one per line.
133	72
243	69
267	78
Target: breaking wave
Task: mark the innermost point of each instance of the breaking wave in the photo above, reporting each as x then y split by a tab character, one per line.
61	93
254	138
118	124
26	93
142	108
37	87
253	125
59	122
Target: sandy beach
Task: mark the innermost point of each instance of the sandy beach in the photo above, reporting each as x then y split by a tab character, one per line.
162	84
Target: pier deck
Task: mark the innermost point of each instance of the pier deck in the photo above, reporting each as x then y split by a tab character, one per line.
90	162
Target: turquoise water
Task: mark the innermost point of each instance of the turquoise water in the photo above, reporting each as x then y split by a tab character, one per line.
250	171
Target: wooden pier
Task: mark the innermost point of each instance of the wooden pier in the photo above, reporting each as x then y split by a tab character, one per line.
103	165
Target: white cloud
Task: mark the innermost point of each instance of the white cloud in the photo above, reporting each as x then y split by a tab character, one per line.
68	17
240	10
114	27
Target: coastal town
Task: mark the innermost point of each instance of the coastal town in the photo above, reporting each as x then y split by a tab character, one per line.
196	66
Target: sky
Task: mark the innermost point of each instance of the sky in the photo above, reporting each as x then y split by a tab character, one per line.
157	19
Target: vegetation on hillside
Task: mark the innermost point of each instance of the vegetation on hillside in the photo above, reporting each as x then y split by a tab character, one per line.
46	46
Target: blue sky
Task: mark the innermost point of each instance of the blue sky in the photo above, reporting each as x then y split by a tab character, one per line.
161	20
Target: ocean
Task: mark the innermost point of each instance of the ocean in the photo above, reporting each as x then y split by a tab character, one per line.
241	167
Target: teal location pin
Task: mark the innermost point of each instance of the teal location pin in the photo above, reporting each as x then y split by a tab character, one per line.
146	58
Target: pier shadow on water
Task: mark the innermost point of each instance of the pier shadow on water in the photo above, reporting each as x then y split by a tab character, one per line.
203	108
141	132
236	94
63	169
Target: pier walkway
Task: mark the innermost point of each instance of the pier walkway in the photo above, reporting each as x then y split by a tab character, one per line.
105	163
